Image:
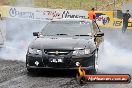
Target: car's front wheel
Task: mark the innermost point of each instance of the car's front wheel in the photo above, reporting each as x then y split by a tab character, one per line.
92	71
30	70
92	62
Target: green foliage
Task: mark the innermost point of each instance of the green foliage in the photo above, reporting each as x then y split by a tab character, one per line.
11	2
7	2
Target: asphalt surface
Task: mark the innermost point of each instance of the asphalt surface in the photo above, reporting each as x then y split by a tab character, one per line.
13	73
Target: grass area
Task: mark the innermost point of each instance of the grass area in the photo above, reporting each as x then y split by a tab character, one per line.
103	5
82	4
7	2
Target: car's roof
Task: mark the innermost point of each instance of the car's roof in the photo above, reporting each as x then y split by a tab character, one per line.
72	19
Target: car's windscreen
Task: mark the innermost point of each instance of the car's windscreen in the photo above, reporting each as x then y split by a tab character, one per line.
71	28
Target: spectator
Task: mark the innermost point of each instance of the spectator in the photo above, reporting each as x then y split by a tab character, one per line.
91	14
126	17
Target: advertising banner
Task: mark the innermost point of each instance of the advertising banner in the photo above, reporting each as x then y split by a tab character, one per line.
118	23
44	13
103	18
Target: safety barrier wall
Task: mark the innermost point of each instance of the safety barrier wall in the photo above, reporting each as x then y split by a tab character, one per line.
104	19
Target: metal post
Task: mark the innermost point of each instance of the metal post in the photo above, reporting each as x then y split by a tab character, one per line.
114	4
80	5
102	7
47	3
96	4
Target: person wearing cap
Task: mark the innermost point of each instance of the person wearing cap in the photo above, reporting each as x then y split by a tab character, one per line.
126	17
91	14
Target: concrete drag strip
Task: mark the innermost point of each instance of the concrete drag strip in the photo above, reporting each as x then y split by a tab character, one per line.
11	69
14	75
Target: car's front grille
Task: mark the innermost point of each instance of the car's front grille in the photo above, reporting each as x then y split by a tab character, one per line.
57	52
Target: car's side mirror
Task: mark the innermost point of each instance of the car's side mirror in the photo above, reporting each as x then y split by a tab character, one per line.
100	34
35	33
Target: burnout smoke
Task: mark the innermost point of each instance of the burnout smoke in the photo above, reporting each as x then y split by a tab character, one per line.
19	35
116	53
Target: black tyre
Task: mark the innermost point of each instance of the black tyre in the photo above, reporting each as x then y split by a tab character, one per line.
82	80
30	70
92	71
92	62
